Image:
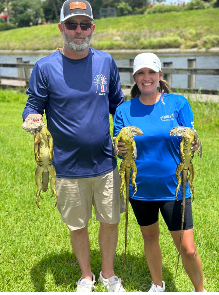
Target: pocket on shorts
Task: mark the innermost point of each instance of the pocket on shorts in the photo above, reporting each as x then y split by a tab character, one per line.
70	191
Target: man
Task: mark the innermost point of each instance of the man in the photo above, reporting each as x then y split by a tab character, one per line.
78	86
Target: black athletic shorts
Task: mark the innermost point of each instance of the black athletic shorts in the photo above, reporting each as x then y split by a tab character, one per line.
146	213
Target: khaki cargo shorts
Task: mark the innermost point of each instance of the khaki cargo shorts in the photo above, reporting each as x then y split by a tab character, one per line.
76	197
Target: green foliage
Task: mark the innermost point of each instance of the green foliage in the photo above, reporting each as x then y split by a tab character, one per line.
51	10
5	26
192	5
2	5
195	4
216	3
25	13
166	42
210	41
123	9
159	8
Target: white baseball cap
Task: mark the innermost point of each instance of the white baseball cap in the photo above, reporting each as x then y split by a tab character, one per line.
72	8
146	60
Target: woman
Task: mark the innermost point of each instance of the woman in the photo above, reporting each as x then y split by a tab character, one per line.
156	113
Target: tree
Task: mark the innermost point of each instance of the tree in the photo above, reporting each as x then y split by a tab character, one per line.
123	9
25	13
51	10
134	4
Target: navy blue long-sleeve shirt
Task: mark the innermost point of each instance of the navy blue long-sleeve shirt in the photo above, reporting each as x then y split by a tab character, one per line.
77	96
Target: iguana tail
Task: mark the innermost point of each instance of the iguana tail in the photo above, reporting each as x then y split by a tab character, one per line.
127	180
184	181
45	181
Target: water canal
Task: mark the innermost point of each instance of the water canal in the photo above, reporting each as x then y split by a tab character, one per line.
179	60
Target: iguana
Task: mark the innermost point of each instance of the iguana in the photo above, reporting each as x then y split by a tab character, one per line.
126	135
43	150
186	155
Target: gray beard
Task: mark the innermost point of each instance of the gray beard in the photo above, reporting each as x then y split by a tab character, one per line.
77	46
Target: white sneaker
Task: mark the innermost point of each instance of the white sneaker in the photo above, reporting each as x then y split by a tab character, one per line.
156	288
195	291
113	284
85	285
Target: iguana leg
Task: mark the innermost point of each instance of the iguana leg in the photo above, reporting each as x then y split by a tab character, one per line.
178	177
52	172
190	179
122	176
134	173
134	150
38	173
45	180
116	141
36	146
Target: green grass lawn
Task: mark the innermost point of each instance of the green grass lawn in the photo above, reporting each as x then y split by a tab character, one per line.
187	29
35	250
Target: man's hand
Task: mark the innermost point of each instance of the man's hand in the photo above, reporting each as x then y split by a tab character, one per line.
38	116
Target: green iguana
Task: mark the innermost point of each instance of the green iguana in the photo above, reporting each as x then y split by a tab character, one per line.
126	135
43	150
186	155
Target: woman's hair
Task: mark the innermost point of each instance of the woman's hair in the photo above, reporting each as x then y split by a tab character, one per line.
164	88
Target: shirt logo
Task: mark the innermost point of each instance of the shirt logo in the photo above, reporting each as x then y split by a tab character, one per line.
100	81
167	118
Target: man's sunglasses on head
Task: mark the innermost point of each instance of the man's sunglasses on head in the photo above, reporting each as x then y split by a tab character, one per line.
73	26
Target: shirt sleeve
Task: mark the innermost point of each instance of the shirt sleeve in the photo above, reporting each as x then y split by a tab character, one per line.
118	122
37	93
185	115
116	96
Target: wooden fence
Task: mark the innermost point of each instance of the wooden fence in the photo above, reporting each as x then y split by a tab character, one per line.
24	69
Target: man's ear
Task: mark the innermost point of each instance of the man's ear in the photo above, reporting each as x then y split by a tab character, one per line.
60	27
93	27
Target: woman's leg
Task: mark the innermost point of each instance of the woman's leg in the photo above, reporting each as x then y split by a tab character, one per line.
152	250
190	258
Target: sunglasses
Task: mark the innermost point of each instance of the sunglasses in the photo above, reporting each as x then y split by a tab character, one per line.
73	26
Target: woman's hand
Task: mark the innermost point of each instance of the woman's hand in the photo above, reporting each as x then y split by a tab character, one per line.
194	146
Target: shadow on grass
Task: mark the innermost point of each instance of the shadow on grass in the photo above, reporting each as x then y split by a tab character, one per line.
65	272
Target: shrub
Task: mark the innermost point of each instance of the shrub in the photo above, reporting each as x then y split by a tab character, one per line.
166	42
210	41
159	8
110	45
195	4
123	9
5	26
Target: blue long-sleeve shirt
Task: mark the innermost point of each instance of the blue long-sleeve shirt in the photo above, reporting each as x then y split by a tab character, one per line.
77	96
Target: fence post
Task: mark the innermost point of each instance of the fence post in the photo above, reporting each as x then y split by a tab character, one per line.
191	78
168	77
131	62
27	70
20	71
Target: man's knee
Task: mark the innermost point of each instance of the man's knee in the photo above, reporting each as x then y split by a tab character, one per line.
78	232
107	226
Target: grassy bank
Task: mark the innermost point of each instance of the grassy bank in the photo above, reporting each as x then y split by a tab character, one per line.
35	251
188	29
